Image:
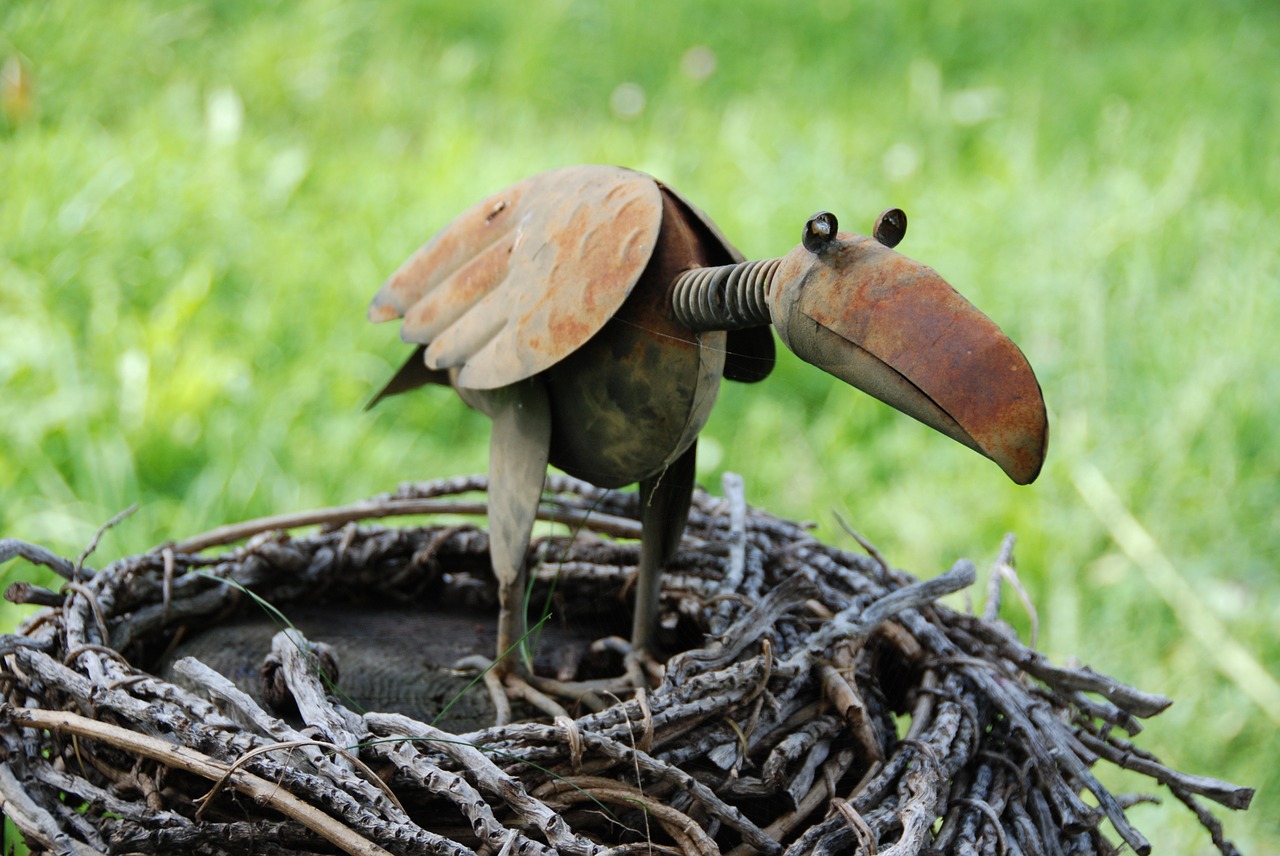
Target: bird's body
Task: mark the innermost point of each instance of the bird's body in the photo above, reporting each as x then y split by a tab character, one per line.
628	386
633	398
591	312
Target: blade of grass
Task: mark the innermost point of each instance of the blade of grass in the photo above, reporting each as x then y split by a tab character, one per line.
1187	604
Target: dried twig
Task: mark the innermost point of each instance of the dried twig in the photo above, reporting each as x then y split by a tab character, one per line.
97	536
382	508
35	554
264	792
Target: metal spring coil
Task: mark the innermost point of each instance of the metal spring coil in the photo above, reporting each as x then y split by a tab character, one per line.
724	298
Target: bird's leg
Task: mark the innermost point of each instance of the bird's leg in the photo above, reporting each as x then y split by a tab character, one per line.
664	510
518	452
665	501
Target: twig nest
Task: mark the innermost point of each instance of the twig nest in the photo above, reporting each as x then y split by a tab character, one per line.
815	700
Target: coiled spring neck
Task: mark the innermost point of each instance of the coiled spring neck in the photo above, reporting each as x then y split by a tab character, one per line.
724	298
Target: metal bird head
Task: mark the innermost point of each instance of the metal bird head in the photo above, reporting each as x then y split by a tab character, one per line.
895	329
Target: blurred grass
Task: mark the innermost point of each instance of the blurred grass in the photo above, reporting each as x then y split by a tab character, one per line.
196	203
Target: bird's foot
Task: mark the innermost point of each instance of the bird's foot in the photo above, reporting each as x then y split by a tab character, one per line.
640	668
506	685
640	671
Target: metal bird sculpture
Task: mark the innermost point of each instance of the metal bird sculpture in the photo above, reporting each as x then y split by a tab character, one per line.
591	313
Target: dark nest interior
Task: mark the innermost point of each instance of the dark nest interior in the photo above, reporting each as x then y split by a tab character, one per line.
814	701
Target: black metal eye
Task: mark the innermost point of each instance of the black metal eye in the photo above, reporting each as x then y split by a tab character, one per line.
819	231
890	227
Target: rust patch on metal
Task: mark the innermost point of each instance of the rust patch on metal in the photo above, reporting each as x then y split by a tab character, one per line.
470	234
564	328
385	312
450	301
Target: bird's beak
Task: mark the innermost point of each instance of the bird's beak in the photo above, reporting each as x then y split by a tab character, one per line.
896	330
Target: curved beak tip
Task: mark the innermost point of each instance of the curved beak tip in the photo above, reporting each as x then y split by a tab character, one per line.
1023	446
898	331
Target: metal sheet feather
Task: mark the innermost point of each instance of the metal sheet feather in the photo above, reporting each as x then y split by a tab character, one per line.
553	257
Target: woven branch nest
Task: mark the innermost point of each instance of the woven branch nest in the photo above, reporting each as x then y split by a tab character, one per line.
820	702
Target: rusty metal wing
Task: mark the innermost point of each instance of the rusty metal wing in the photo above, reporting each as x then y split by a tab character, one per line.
524	278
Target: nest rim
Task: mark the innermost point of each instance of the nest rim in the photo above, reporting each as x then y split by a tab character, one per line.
842	778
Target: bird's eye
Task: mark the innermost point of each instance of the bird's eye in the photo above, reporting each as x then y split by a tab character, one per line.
819	231
890	227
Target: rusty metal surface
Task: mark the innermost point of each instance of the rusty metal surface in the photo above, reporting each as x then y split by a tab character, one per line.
542	278
700	217
525	277
749	351
897	330
564	308
633	398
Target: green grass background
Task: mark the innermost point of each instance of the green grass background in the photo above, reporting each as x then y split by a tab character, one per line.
197	201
